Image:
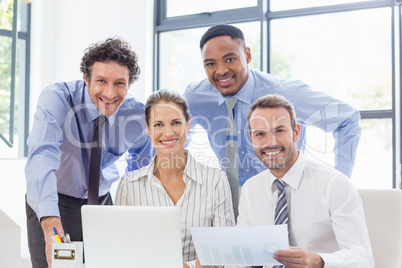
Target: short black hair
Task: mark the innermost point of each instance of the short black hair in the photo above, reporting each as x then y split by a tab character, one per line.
222	30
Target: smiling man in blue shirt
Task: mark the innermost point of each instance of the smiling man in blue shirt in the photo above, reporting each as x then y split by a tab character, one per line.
225	58
60	143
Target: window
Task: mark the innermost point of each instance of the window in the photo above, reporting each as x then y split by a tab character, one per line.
347	54
182	7
347	48
14	76
277	5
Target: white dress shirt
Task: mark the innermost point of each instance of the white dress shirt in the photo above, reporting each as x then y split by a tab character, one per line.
206	200
325	212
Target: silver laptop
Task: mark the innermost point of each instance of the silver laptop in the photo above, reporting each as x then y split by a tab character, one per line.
131	236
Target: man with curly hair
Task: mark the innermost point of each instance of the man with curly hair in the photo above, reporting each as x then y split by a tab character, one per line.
61	139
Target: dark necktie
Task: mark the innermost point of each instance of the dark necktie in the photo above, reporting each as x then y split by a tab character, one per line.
232	170
95	162
281	210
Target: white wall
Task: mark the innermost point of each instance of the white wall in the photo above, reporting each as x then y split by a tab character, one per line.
61	31
12	214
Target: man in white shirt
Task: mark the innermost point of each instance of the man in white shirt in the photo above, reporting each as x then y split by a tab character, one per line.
325	218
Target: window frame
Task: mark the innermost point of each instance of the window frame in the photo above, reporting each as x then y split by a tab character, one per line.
16	37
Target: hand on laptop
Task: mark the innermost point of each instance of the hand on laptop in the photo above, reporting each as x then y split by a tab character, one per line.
47	226
198	265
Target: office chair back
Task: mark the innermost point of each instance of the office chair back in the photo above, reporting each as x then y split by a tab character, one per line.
383	211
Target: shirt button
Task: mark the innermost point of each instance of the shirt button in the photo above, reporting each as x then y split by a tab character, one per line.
247	170
238	132
242	152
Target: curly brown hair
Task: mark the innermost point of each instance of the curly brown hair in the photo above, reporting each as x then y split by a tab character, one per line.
112	49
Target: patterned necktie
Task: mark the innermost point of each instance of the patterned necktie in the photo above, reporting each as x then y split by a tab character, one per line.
95	162
232	170
281	210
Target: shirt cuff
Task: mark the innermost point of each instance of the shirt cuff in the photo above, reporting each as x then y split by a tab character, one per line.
47	209
331	260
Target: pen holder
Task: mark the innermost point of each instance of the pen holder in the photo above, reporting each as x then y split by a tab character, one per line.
67	255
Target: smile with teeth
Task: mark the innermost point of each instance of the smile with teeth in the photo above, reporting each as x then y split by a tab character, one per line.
171	142
108	102
272	153
225	80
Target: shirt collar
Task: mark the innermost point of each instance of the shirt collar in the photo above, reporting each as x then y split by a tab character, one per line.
146	171
245	94
191	170
295	173
92	111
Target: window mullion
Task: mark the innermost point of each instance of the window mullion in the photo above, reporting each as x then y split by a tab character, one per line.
13	70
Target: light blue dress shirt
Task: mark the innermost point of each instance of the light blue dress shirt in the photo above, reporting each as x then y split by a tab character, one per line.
313	108
59	145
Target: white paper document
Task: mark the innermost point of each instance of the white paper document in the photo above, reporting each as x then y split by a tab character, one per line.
241	246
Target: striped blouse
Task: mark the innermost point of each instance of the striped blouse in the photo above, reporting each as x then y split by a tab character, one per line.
206	200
